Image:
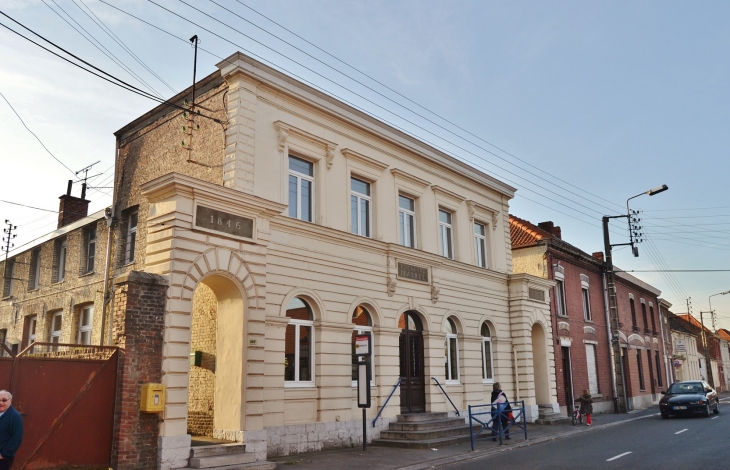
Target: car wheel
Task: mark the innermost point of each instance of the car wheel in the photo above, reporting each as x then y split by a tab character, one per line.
665	415
706	413
717	408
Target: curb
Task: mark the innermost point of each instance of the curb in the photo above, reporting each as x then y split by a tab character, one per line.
482	454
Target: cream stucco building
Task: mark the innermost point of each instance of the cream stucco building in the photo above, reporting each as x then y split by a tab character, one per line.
286	222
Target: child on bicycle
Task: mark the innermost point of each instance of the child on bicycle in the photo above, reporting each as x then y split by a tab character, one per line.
586	406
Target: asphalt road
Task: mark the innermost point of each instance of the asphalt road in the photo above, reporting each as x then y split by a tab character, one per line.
649	443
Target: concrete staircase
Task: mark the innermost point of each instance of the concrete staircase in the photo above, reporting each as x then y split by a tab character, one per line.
424	431
546	415
231	456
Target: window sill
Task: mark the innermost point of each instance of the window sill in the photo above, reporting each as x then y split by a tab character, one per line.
354	384
58	282
488	381
588	321
35	289
8	297
87	274
452	382
299	385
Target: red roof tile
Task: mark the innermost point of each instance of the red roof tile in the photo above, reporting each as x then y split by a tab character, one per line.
524	233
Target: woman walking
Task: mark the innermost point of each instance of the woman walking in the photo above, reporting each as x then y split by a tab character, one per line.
500	402
586	406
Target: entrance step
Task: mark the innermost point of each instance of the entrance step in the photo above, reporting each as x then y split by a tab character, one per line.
423	431
228	456
551	418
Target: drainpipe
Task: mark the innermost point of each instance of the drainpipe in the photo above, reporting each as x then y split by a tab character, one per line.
610	342
517	374
664	345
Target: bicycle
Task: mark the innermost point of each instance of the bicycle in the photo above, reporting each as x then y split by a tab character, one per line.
577	416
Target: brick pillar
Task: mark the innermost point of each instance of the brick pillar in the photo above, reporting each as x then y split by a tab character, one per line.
139	321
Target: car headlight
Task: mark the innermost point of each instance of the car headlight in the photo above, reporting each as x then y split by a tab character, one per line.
697	402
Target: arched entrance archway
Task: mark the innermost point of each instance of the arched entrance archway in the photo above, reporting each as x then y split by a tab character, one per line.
413	383
540	364
215	388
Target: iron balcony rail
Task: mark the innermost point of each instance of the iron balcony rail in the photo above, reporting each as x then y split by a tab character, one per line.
447	395
386	401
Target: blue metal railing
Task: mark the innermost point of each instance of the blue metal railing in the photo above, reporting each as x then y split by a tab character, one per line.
496	414
386	402
446	394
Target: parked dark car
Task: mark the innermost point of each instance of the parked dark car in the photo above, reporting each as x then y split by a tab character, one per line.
689	398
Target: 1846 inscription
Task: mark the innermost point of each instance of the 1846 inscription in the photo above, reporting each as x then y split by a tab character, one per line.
409	271
220	221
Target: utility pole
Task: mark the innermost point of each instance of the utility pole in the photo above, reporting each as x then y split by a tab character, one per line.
708	360
8	238
188	130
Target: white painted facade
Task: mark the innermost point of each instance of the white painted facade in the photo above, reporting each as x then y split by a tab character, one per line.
334	271
687	361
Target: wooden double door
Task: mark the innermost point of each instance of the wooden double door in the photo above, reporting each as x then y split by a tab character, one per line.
413	382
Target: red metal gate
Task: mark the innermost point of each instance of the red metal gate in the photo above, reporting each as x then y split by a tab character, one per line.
66	395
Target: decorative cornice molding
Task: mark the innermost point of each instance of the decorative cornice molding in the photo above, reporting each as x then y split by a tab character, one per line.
364	159
286	130
441	191
402	175
474	206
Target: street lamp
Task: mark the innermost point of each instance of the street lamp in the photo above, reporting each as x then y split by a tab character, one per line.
709	299
620	398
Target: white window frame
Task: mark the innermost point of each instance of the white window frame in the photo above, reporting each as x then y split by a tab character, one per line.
85	328
362	330
448	360
403	216
56	334
37	270
446	234
32	329
487	343
586	299
129	251
296	383
300	177
561	307
594	366
89	243
62	256
481	246
359	197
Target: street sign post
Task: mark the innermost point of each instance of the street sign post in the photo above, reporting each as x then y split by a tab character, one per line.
362	351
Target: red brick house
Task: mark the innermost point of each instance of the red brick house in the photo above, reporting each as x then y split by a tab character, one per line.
579	320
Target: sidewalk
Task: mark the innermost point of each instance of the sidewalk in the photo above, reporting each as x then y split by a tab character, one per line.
417	459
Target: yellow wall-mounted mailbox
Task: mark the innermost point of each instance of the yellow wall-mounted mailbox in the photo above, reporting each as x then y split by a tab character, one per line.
153	398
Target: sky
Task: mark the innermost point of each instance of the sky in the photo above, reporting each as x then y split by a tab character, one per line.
579	105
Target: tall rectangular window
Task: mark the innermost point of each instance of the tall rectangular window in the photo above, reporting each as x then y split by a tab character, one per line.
59	260
451	352
592	368
360	203
56	325
641	370
32	327
560	297
3	337
480	239
658	369
130	244
86	320
653	322
643	315
34	273
406	221
446	234
632	304
89	250
9	274
586	305
301	189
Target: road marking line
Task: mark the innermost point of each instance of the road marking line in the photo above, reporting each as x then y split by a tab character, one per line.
618	456
680	432
715	417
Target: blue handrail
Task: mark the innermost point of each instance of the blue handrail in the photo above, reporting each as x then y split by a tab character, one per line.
386	401
490	417
447	395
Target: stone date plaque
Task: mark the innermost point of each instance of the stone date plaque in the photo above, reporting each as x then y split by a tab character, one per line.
219	221
416	273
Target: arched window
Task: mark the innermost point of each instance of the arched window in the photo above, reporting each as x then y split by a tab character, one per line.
451	352
409	321
362	323
487	365
299	344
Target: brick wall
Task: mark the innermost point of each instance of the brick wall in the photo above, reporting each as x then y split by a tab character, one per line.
139	307
71	209
201	391
582	332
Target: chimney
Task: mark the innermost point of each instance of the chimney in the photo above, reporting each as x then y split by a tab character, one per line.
72	208
598	255
551	228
